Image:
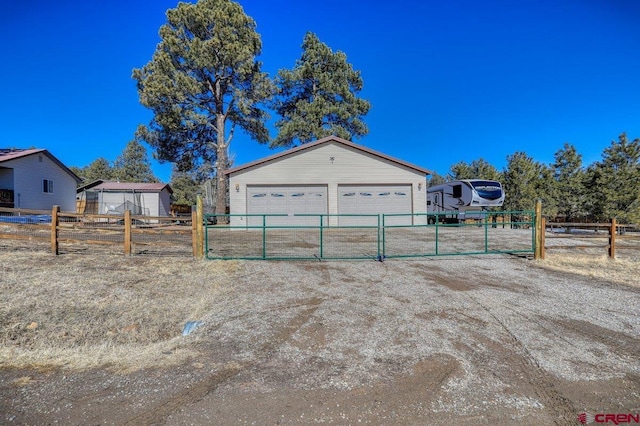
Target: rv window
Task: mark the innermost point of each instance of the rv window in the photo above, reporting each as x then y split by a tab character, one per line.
457	191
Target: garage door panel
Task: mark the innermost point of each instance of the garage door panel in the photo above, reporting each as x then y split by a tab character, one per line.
289	200
374	199
259	199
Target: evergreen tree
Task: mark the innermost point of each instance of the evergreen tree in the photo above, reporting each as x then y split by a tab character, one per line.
98	169
477	169
203	76
435	179
615	182
185	187
569	183
133	164
318	97
526	181
78	171
460	170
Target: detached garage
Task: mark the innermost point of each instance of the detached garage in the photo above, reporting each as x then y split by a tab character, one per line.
331	176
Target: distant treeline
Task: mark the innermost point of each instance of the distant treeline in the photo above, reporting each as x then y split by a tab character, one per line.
568	189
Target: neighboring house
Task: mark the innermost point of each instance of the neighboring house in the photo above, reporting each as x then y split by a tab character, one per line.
329	176
35	179
106	197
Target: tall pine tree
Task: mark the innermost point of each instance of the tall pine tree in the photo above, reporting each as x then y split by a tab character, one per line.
133	164
319	97
477	169
569	184
100	168
525	181
203	76
615	182
185	187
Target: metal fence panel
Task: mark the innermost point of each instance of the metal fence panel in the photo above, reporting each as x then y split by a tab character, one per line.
496	232
373	238
272	241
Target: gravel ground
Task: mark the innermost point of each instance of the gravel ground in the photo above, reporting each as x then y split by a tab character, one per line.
491	339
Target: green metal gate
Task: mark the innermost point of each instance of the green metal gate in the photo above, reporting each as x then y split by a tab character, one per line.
491	233
231	236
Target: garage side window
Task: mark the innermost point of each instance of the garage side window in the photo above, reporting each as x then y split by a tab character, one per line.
47	186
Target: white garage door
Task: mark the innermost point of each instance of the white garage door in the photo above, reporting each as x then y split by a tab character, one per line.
288	200
374	199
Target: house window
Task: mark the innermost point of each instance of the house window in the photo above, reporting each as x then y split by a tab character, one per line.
47	186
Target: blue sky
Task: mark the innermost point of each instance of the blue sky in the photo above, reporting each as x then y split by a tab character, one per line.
448	81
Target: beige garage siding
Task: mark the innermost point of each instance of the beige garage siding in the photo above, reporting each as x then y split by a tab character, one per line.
332	163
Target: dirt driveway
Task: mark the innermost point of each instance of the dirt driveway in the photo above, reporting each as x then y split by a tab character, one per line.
457	340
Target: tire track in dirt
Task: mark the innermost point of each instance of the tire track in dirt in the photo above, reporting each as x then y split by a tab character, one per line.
618	342
537	377
539	323
160	411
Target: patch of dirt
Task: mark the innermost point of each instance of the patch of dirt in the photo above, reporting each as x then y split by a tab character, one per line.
465	340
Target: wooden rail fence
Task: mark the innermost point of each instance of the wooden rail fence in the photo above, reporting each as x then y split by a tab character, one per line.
145	233
606	236
141	234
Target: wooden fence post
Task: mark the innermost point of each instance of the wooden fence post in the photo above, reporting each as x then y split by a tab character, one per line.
200	227
612	239
54	229
127	232
539	230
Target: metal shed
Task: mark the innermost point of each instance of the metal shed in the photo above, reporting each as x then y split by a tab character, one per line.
106	197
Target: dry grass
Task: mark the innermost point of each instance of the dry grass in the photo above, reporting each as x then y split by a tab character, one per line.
126	313
79	312
622	271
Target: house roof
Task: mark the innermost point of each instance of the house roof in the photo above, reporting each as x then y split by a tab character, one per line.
323	141
7	154
101	185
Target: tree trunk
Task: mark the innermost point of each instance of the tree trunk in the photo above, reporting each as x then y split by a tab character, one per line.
221	179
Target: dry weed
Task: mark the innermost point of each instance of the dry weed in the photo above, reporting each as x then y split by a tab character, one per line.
622	271
80	312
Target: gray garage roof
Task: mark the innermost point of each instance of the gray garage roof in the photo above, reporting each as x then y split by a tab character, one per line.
327	140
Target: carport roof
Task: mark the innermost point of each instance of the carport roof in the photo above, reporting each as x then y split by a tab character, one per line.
101	185
322	141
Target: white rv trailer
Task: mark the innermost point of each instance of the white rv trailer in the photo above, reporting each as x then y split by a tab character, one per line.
459	200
